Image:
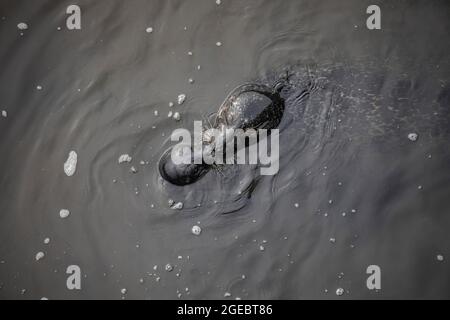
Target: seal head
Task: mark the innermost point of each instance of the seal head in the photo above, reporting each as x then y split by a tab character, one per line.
249	106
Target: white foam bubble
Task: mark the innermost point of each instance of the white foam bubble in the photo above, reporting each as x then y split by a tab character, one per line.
22	26
70	166
64	213
196	230
177	206
177	116
181	99
40	256
413	137
169	267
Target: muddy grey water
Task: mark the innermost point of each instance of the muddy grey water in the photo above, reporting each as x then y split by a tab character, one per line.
352	190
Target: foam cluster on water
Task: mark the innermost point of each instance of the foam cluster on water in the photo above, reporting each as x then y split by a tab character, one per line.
124	158
22	26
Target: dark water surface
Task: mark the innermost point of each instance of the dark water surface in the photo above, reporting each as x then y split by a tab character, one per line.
343	149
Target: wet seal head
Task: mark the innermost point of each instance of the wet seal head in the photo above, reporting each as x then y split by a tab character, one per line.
249	106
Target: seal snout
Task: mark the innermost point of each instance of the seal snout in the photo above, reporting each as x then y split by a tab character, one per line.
180	174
